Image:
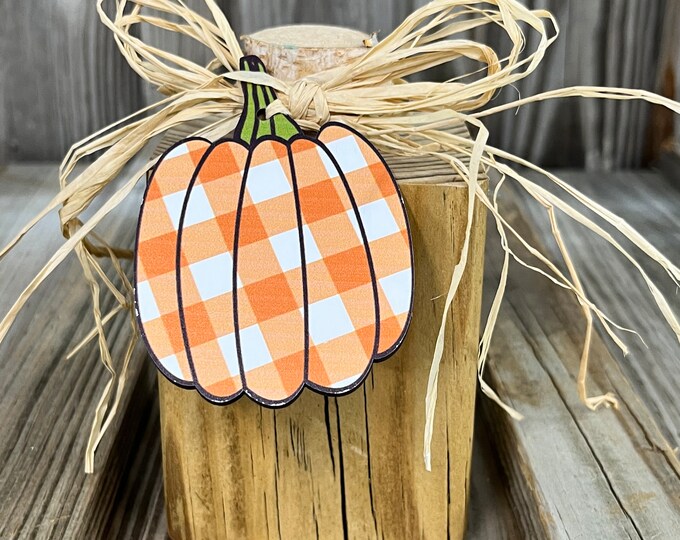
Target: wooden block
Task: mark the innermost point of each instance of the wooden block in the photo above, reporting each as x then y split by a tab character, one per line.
352	466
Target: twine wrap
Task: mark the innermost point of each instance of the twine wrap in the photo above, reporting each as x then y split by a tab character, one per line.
371	95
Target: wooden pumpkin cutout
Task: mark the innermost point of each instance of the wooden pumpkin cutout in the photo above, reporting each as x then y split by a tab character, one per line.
272	261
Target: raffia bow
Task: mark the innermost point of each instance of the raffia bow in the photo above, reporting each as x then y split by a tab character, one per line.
371	94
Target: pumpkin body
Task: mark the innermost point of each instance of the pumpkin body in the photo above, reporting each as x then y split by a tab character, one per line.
156	302
266	267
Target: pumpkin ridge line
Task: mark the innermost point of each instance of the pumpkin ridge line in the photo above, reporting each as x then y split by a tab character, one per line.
303	265
234	277
386	354
374	285
254	396
219	400
140	325
178	266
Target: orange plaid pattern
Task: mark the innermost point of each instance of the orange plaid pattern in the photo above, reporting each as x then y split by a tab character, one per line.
270	301
206	250
265	269
155	268
384	219
341	299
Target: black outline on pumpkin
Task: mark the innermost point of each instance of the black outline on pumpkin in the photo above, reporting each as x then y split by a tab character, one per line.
326	390
397	343
179	382
244	390
178	275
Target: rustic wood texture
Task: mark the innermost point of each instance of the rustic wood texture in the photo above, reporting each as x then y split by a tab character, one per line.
62	77
47	401
348	467
657	221
666	125
574	473
296	51
601	43
490	515
563	450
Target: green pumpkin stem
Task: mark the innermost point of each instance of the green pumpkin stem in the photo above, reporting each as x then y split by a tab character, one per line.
253	125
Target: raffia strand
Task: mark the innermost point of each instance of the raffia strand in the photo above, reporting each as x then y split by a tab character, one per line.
372	95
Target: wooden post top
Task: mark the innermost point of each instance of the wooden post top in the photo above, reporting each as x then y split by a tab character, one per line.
293	52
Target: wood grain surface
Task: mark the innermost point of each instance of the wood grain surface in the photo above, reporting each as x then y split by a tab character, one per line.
658	222
47	403
569	471
574	473
352	466
296	51
61	76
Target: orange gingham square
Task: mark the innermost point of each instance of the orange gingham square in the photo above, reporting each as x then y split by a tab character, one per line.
156	284
270	300
374	190
206	271
341	300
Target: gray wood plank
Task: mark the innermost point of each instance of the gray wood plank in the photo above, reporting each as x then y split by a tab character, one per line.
650	203
669	166
490	514
576	473
63	78
46	401
669	75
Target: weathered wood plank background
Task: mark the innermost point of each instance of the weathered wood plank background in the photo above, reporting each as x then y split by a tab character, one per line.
47	401
573	473
61	76
569	473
